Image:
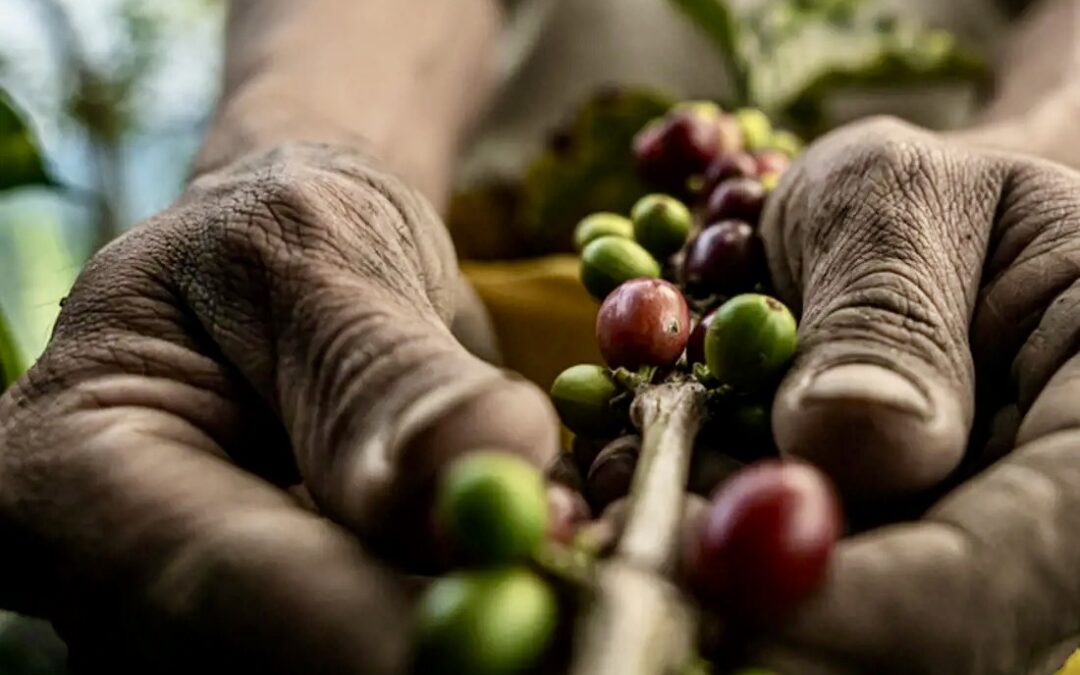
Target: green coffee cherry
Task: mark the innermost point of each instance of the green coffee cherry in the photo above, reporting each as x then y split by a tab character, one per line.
492	622
750	340
703	108
661	224
756	128
493	507
786	142
609	261
599	225
582	396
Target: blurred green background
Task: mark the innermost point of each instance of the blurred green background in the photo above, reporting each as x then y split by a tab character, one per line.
117	93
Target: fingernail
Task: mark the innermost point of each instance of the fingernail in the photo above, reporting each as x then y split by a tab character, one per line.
865	383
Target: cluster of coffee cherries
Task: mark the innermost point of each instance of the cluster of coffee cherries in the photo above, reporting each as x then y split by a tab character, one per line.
683	287
498	614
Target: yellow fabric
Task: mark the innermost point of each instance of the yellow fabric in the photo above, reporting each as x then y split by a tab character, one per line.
1072	666
543	317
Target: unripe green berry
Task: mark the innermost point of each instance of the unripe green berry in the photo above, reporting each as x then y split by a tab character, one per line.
751	339
582	396
599	225
786	142
493	622
756	128
661	224
493	506
610	261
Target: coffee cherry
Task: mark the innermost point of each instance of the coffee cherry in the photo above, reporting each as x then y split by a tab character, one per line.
644	322
732	165
683	143
661	224
599	225
757	131
491	622
493	507
767	538
736	199
771	162
724	258
695	344
582	396
786	142
612	472
609	261
751	339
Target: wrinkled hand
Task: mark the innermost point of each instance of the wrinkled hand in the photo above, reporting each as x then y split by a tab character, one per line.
285	323
940	331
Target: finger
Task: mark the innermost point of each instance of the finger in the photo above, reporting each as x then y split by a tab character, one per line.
986	585
878	235
1029	305
151	553
350	312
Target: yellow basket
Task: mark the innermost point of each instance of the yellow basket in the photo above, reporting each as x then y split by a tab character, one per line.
543	317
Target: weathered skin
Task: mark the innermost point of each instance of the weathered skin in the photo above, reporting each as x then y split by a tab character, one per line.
923	267
286	324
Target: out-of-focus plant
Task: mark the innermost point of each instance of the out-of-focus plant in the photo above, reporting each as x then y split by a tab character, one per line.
785	57
100	99
21	165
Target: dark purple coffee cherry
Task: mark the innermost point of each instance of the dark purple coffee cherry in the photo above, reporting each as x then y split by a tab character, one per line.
736	199
695	346
726	167
724	258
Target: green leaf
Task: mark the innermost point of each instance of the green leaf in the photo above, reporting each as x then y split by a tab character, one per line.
21	163
718	23
589	169
789	56
11	361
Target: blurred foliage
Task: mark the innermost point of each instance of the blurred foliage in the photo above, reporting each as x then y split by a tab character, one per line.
588	166
21	163
785	57
11	361
788	56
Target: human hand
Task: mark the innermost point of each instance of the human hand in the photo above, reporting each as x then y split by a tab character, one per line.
940	319
285	323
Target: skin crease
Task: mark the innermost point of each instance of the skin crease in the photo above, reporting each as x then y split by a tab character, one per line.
219	352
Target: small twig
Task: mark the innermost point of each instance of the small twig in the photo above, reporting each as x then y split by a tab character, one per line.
637	622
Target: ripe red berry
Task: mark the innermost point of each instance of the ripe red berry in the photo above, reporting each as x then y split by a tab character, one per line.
767	538
728	166
643	322
738	199
684	143
724	258
695	345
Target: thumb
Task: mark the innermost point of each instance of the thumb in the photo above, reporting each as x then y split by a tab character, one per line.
878	234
